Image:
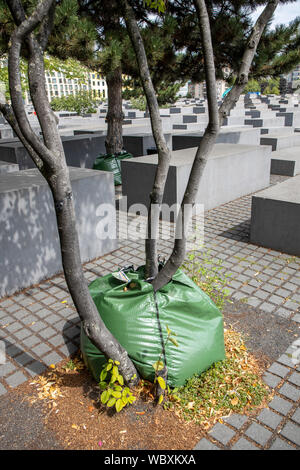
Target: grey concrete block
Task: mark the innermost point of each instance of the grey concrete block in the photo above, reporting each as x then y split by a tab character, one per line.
6	167
30	242
275	217
231	172
80	151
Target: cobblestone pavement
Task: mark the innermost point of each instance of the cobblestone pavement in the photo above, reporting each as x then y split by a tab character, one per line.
39	326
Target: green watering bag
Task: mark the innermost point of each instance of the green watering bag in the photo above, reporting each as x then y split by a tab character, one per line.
132	317
112	163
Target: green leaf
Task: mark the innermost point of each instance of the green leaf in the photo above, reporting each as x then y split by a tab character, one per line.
161	382
160	400
104	397
120	379
117	363
174	341
109	366
103	375
111	402
168	330
117	394
119	405
102	385
158	365
131	399
115	371
118	388
125	400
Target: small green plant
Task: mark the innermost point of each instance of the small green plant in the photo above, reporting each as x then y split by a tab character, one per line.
70	365
159	365
114	393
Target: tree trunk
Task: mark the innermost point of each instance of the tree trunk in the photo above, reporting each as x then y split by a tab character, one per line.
164	153
92	323
50	160
114	118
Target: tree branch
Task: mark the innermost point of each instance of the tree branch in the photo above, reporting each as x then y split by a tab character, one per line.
20	33
242	77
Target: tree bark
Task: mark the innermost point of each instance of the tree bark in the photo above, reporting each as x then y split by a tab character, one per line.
114	118
164	154
50	160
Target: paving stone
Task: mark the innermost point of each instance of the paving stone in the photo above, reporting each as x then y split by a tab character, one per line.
235	420
266	307
222	433
35	368
22	334
296	416
205	444
32	341
286	360
15	326
275	299
295	378
38	326
280	444
283	312
56	340
296	318
258	433
269	288
52	358
12	350
290	392
47	333
41	349
244	444
269	418
16	379
6	369
21	315
271	380
44	313
24	359
254	301
262	294
278	369
292	432
34	307
68	349
2	390
280	405
72	332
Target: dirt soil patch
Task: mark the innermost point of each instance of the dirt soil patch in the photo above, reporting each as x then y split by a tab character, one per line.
74	414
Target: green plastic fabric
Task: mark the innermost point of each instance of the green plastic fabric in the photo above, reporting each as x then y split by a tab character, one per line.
112	163
131	317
